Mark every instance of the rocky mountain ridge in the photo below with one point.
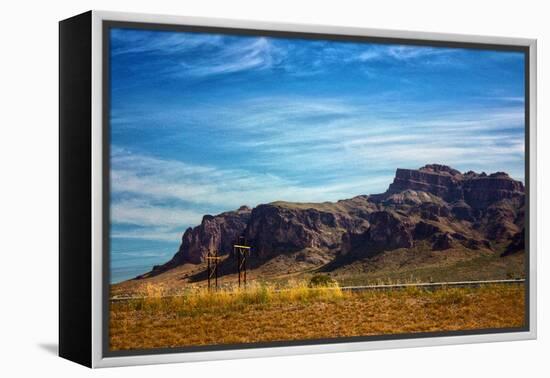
(435, 205)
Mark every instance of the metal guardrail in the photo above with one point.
(425, 285)
(434, 285)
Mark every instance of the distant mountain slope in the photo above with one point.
(436, 207)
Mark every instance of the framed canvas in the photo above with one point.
(234, 189)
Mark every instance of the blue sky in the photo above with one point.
(204, 123)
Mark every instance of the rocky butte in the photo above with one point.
(436, 205)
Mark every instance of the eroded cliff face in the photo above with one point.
(481, 192)
(436, 205)
(215, 233)
(438, 180)
(476, 190)
(284, 227)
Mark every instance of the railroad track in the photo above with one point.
(424, 285)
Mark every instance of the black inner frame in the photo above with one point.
(107, 25)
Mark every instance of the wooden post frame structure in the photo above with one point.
(212, 259)
(241, 250)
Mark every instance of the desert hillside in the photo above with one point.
(433, 223)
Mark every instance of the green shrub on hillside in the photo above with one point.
(321, 280)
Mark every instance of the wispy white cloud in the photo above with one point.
(125, 41)
(257, 54)
(327, 135)
(163, 234)
(402, 53)
(371, 54)
(212, 187)
(143, 213)
(199, 54)
(142, 218)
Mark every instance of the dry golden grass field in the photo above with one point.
(261, 314)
